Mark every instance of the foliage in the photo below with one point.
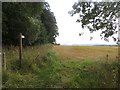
(50, 25)
(26, 17)
(98, 16)
(39, 69)
(42, 67)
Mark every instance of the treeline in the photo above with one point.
(34, 20)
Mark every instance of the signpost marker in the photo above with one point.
(20, 48)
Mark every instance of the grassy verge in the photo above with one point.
(42, 67)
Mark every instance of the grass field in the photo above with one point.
(62, 67)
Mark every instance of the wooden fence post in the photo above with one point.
(20, 49)
(4, 61)
(118, 80)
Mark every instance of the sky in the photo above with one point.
(68, 28)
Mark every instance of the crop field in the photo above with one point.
(87, 52)
(52, 66)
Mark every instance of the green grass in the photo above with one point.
(43, 68)
(90, 74)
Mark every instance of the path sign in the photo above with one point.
(20, 48)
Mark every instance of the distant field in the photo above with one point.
(86, 52)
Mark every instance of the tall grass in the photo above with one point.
(90, 74)
(43, 68)
(39, 68)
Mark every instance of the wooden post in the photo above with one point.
(118, 80)
(20, 49)
(107, 57)
(4, 61)
(119, 49)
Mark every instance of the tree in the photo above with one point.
(98, 16)
(49, 29)
(49, 21)
(26, 18)
(20, 17)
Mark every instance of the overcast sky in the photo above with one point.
(68, 28)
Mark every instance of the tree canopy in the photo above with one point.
(34, 20)
(98, 16)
